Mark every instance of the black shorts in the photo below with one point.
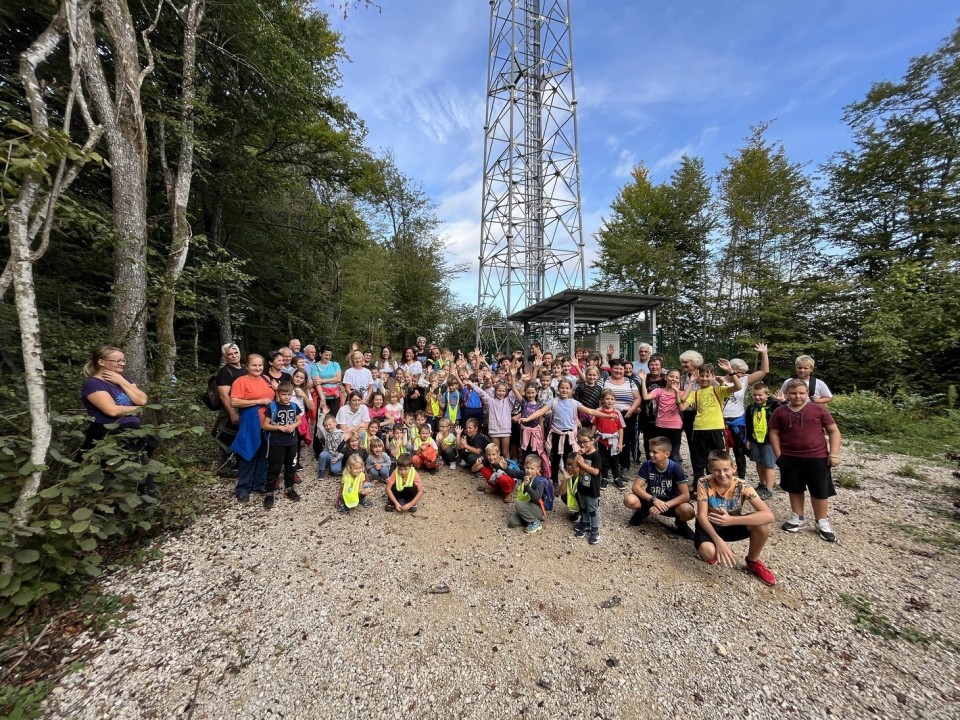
(731, 533)
(647, 505)
(798, 474)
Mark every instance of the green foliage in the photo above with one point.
(847, 480)
(909, 471)
(875, 623)
(19, 702)
(82, 508)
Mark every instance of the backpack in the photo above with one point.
(548, 496)
(210, 397)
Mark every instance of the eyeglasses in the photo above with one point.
(121, 361)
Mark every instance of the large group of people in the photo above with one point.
(531, 429)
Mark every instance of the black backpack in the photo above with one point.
(210, 397)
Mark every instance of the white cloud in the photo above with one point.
(627, 162)
(691, 148)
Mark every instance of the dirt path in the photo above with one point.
(304, 613)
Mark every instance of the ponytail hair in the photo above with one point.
(93, 364)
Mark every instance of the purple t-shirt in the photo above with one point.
(95, 384)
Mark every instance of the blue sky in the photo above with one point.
(653, 81)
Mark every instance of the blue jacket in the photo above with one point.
(249, 436)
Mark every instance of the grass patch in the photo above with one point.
(875, 623)
(846, 479)
(946, 539)
(909, 471)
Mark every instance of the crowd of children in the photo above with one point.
(544, 426)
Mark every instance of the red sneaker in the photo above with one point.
(761, 571)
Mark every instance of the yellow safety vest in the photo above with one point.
(351, 489)
(522, 494)
(402, 484)
(572, 484)
(760, 424)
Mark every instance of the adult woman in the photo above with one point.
(248, 395)
(385, 363)
(628, 400)
(410, 363)
(690, 361)
(228, 419)
(358, 378)
(327, 380)
(275, 372)
(647, 417)
(110, 397)
(734, 409)
(353, 417)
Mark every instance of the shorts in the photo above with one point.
(762, 454)
(731, 533)
(798, 474)
(646, 505)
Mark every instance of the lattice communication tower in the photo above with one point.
(531, 243)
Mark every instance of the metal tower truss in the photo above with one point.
(531, 244)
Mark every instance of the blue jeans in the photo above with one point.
(252, 476)
(382, 474)
(324, 464)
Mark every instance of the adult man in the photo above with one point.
(286, 354)
(368, 360)
(420, 351)
(225, 428)
(294, 346)
(310, 354)
(643, 358)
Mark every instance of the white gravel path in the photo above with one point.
(256, 614)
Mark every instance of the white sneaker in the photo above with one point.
(826, 532)
(453, 466)
(794, 523)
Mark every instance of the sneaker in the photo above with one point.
(594, 537)
(367, 502)
(683, 529)
(761, 571)
(509, 497)
(412, 510)
(574, 518)
(619, 484)
(341, 508)
(604, 483)
(763, 492)
(293, 495)
(794, 523)
(826, 532)
(453, 466)
(535, 526)
(579, 529)
(268, 500)
(296, 479)
(243, 497)
(716, 559)
(389, 507)
(638, 517)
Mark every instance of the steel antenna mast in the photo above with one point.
(531, 243)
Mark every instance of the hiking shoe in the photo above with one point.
(794, 523)
(761, 571)
(535, 526)
(683, 529)
(826, 532)
(268, 501)
(619, 484)
(579, 529)
(367, 502)
(638, 517)
(763, 492)
(293, 495)
(509, 497)
(243, 497)
(594, 537)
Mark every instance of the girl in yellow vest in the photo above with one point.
(355, 489)
(404, 488)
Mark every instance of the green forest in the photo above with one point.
(183, 174)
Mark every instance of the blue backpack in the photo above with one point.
(548, 496)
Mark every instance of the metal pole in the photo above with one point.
(572, 322)
(653, 329)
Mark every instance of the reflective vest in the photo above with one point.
(453, 406)
(400, 484)
(760, 424)
(572, 484)
(351, 489)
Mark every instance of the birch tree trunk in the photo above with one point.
(178, 183)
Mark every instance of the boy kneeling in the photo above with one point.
(720, 498)
(528, 509)
(404, 488)
(661, 489)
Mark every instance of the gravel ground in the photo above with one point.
(301, 612)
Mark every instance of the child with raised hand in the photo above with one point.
(531, 441)
(720, 518)
(498, 474)
(379, 464)
(356, 489)
(610, 426)
(708, 423)
(426, 454)
(404, 487)
(529, 509)
(817, 389)
(471, 444)
(500, 410)
(661, 489)
(758, 414)
(447, 442)
(280, 422)
(399, 442)
(331, 459)
(797, 439)
(668, 422)
(588, 487)
(352, 445)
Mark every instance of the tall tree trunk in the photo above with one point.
(178, 183)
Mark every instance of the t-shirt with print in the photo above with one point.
(662, 484)
(119, 397)
(589, 485)
(732, 499)
(709, 404)
(281, 414)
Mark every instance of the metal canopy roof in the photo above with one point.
(590, 306)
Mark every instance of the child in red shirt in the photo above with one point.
(609, 425)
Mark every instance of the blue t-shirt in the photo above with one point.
(95, 384)
(662, 484)
(564, 414)
(325, 372)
